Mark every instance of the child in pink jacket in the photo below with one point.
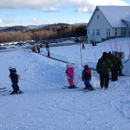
(70, 75)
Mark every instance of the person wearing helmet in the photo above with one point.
(86, 77)
(14, 79)
(70, 75)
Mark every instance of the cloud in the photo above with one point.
(49, 9)
(42, 21)
(31, 21)
(0, 20)
(82, 10)
(53, 5)
(83, 6)
(12, 21)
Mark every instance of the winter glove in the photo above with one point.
(17, 75)
(122, 66)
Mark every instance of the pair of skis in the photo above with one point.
(84, 90)
(66, 87)
(3, 89)
(9, 93)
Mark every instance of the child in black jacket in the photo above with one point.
(14, 79)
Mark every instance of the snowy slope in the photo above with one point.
(46, 106)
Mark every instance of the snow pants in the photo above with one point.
(104, 80)
(48, 53)
(115, 72)
(87, 84)
(15, 87)
(70, 80)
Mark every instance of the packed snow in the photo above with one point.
(45, 105)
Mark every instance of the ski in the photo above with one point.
(2, 88)
(66, 87)
(81, 89)
(9, 93)
(86, 90)
(6, 92)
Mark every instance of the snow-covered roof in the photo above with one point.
(126, 18)
(115, 14)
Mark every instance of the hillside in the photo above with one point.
(45, 105)
(15, 29)
(42, 32)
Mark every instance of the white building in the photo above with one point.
(109, 22)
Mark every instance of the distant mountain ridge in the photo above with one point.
(36, 26)
(33, 27)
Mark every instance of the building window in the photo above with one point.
(98, 32)
(97, 16)
(93, 32)
(115, 32)
(88, 31)
(123, 31)
(108, 32)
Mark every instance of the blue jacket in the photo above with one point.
(14, 76)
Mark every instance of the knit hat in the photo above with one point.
(104, 54)
(86, 66)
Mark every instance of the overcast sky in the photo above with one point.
(37, 12)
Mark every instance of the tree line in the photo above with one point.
(46, 33)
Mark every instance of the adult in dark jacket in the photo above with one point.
(103, 67)
(86, 77)
(117, 63)
(119, 67)
(112, 58)
(14, 79)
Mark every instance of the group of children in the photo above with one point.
(36, 49)
(86, 76)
